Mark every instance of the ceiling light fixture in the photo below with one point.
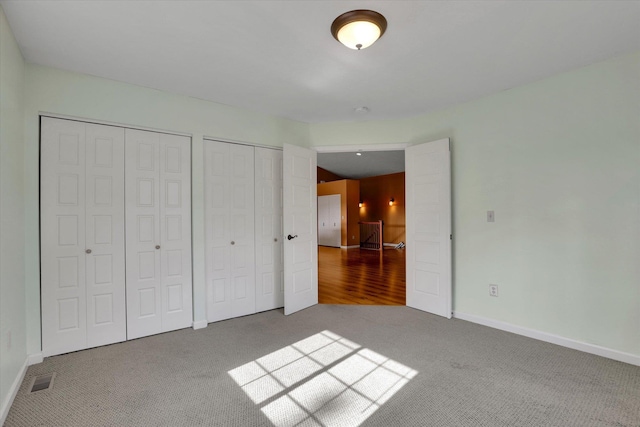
(358, 29)
(358, 154)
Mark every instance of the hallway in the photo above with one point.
(360, 276)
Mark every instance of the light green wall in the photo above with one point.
(55, 91)
(559, 162)
(12, 286)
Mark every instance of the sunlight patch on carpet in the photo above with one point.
(322, 380)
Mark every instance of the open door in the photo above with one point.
(428, 216)
(300, 228)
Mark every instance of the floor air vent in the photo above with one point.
(42, 382)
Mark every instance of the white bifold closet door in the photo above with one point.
(158, 229)
(230, 243)
(329, 221)
(82, 235)
(323, 221)
(268, 219)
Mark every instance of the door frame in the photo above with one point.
(387, 147)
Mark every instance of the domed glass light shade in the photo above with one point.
(358, 29)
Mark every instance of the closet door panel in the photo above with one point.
(323, 220)
(229, 212)
(334, 231)
(142, 199)
(242, 244)
(217, 229)
(268, 232)
(105, 268)
(175, 219)
(63, 257)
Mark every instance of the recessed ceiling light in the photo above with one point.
(358, 29)
(358, 154)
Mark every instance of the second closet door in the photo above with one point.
(158, 229)
(268, 213)
(229, 210)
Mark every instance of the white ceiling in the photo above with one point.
(278, 57)
(368, 163)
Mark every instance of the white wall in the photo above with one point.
(49, 90)
(559, 162)
(12, 297)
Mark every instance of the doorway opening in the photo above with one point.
(362, 264)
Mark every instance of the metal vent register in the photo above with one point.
(42, 382)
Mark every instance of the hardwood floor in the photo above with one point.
(360, 276)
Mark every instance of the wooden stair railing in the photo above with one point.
(371, 235)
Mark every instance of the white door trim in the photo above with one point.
(237, 142)
(363, 147)
(381, 147)
(109, 123)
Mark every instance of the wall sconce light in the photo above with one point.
(360, 204)
(391, 201)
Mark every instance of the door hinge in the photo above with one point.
(450, 236)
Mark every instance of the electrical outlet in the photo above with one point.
(491, 216)
(493, 290)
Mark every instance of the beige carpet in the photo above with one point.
(333, 365)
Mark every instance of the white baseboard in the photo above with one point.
(199, 324)
(620, 356)
(350, 247)
(34, 359)
(6, 404)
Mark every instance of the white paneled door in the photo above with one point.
(104, 201)
(158, 230)
(230, 243)
(175, 232)
(323, 220)
(268, 220)
(82, 235)
(428, 219)
(335, 220)
(300, 228)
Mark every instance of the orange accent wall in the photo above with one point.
(349, 191)
(375, 193)
(326, 176)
